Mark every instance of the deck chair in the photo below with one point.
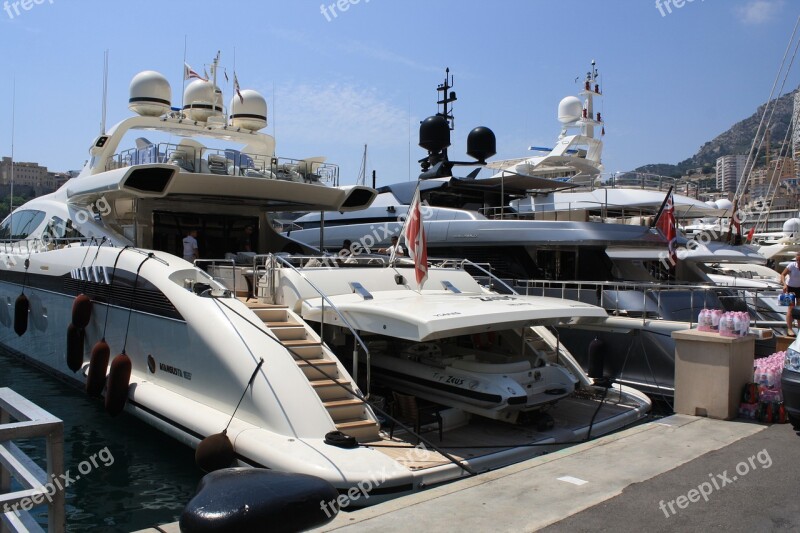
(409, 410)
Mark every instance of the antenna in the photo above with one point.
(447, 98)
(362, 172)
(13, 118)
(105, 93)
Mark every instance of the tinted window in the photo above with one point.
(21, 223)
(58, 229)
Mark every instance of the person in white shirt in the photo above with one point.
(395, 249)
(791, 285)
(190, 250)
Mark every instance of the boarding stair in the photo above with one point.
(320, 366)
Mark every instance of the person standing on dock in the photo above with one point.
(791, 285)
(190, 250)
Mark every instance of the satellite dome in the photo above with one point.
(791, 228)
(249, 111)
(711, 203)
(724, 203)
(570, 109)
(150, 94)
(201, 100)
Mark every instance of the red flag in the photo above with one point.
(666, 223)
(750, 234)
(415, 240)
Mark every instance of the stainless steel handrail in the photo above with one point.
(645, 288)
(285, 262)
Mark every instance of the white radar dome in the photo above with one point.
(711, 203)
(201, 100)
(791, 228)
(150, 94)
(724, 203)
(570, 109)
(249, 111)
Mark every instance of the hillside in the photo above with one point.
(736, 140)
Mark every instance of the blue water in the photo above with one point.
(152, 476)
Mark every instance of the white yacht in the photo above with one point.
(554, 226)
(100, 261)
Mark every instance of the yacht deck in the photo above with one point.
(486, 436)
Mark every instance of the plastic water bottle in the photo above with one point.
(737, 324)
(716, 316)
(745, 321)
(703, 320)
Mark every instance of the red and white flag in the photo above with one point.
(188, 73)
(750, 234)
(236, 87)
(666, 223)
(415, 240)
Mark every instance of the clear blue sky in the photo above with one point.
(369, 75)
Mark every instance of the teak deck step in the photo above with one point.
(288, 324)
(329, 382)
(301, 342)
(362, 430)
(354, 402)
(315, 369)
(355, 424)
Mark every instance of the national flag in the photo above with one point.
(415, 240)
(188, 73)
(236, 87)
(666, 223)
(750, 234)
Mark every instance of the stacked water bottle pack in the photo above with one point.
(727, 324)
(762, 400)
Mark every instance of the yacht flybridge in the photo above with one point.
(268, 367)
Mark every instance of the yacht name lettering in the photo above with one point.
(451, 313)
(448, 379)
(175, 371)
(494, 298)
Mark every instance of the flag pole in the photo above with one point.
(663, 205)
(183, 71)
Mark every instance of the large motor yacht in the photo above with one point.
(102, 263)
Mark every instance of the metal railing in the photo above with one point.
(213, 263)
(599, 288)
(43, 244)
(226, 162)
(272, 263)
(29, 421)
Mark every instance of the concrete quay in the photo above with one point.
(679, 472)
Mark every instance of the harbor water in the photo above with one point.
(142, 477)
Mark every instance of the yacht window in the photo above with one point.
(60, 230)
(22, 223)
